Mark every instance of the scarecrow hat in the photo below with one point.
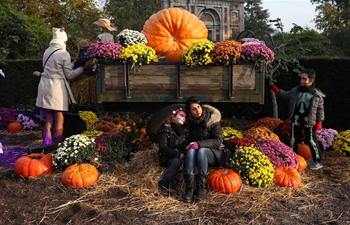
(105, 23)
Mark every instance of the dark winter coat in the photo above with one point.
(316, 109)
(81, 60)
(171, 142)
(208, 134)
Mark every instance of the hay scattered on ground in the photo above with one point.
(135, 187)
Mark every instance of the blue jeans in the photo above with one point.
(202, 158)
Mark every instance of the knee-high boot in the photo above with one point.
(190, 186)
(57, 136)
(201, 191)
(47, 136)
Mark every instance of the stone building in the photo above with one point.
(223, 18)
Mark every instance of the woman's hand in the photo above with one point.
(36, 73)
(193, 145)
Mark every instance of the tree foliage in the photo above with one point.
(255, 17)
(333, 20)
(332, 15)
(131, 14)
(21, 36)
(76, 16)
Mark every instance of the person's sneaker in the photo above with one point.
(316, 165)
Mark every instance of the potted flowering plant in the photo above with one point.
(89, 117)
(138, 54)
(27, 123)
(198, 53)
(326, 137)
(256, 50)
(104, 52)
(342, 143)
(271, 123)
(6, 116)
(253, 166)
(226, 52)
(278, 153)
(129, 37)
(74, 149)
(260, 133)
(230, 133)
(111, 150)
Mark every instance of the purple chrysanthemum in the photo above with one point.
(278, 153)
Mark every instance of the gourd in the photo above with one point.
(304, 151)
(175, 56)
(286, 176)
(34, 165)
(172, 29)
(79, 175)
(302, 164)
(14, 127)
(225, 181)
(104, 126)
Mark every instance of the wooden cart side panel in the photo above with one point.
(174, 82)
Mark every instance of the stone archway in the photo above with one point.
(211, 20)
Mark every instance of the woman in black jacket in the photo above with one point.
(205, 137)
(171, 137)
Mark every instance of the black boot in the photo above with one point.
(190, 186)
(201, 191)
(173, 188)
(163, 186)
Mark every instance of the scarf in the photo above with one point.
(199, 120)
(309, 89)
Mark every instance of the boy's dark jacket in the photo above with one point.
(81, 60)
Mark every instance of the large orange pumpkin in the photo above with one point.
(302, 164)
(172, 29)
(225, 181)
(33, 165)
(79, 175)
(304, 151)
(14, 127)
(286, 176)
(175, 56)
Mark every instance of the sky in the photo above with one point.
(301, 12)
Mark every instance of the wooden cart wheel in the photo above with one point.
(158, 118)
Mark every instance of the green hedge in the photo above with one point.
(19, 86)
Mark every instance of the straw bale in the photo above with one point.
(84, 90)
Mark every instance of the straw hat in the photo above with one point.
(105, 23)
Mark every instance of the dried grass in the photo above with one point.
(84, 90)
(135, 187)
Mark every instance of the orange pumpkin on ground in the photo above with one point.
(302, 164)
(175, 56)
(225, 181)
(34, 165)
(286, 176)
(172, 29)
(104, 126)
(14, 127)
(79, 175)
(304, 151)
